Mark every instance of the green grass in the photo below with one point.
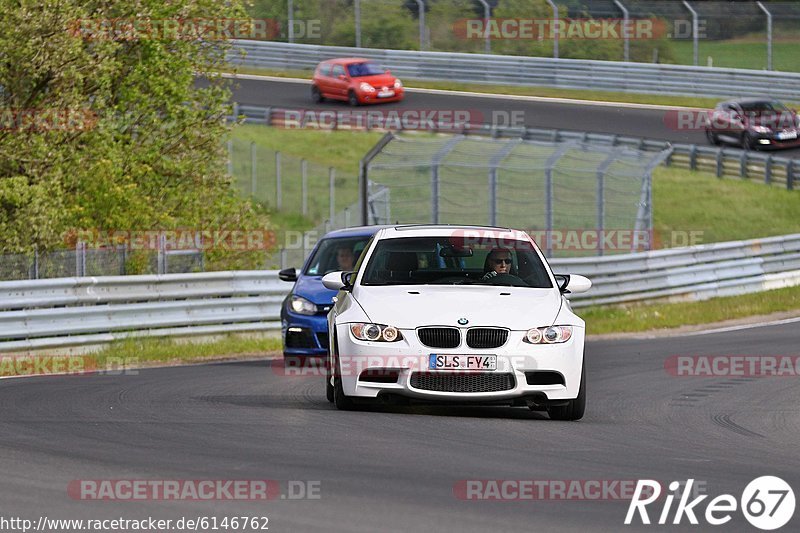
(741, 53)
(637, 318)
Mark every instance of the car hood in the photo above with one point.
(516, 308)
(379, 80)
(312, 289)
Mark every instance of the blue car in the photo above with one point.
(304, 325)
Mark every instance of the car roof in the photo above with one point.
(436, 230)
(356, 231)
(347, 60)
(748, 100)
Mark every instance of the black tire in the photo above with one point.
(340, 399)
(748, 142)
(316, 96)
(712, 137)
(574, 409)
(352, 99)
(328, 384)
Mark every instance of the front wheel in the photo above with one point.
(748, 142)
(352, 99)
(328, 384)
(316, 95)
(340, 399)
(574, 409)
(712, 137)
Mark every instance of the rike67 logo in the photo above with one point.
(767, 503)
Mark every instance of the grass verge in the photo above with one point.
(640, 317)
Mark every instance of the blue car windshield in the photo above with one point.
(358, 70)
(335, 254)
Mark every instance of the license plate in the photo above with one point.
(786, 135)
(462, 362)
(385, 94)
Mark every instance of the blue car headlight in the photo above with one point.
(301, 306)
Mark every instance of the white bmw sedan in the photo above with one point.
(456, 314)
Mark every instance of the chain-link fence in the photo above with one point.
(739, 34)
(558, 190)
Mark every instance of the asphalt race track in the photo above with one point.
(395, 468)
(627, 121)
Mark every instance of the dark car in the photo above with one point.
(356, 81)
(304, 323)
(754, 123)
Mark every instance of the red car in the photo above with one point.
(356, 81)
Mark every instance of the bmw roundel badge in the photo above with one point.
(463, 321)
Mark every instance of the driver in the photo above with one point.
(345, 258)
(497, 262)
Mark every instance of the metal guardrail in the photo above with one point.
(79, 312)
(723, 161)
(645, 78)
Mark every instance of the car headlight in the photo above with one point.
(300, 305)
(398, 84)
(375, 332)
(367, 88)
(548, 335)
(761, 129)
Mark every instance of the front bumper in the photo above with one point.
(372, 369)
(304, 334)
(373, 98)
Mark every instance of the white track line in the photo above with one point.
(546, 99)
(744, 326)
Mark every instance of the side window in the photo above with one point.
(338, 70)
(325, 69)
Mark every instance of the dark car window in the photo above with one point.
(358, 70)
(767, 106)
(330, 254)
(338, 70)
(435, 260)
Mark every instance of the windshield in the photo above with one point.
(336, 254)
(358, 70)
(437, 260)
(764, 107)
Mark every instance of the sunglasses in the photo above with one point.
(500, 261)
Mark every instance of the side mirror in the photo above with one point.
(573, 283)
(288, 274)
(337, 281)
(342, 77)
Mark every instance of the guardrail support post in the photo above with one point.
(790, 175)
(693, 157)
(720, 166)
(768, 170)
(743, 164)
(769, 34)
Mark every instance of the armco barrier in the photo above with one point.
(75, 312)
(615, 76)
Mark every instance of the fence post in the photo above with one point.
(278, 181)
(282, 258)
(230, 157)
(35, 263)
(769, 34)
(358, 22)
(554, 7)
(290, 16)
(625, 33)
(695, 29)
(421, 16)
(346, 217)
(253, 172)
(331, 193)
(790, 175)
(304, 186)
